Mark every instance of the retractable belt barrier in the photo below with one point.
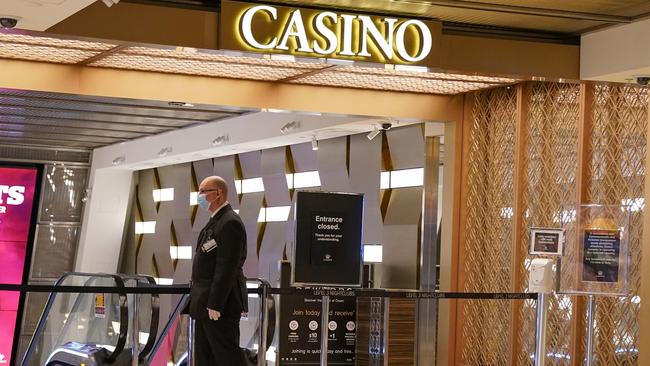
(332, 292)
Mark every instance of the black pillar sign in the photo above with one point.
(601, 255)
(300, 330)
(327, 248)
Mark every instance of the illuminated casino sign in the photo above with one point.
(328, 34)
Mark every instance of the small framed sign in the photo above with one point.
(546, 241)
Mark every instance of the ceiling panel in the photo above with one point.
(61, 120)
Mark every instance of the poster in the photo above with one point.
(100, 306)
(328, 246)
(300, 330)
(17, 194)
(546, 241)
(601, 254)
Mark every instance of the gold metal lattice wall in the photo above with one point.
(535, 142)
(617, 176)
(487, 262)
(550, 165)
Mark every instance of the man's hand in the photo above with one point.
(213, 314)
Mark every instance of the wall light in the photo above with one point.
(407, 178)
(314, 143)
(252, 185)
(180, 252)
(375, 131)
(373, 253)
(119, 160)
(289, 127)
(145, 227)
(221, 140)
(165, 194)
(194, 198)
(306, 179)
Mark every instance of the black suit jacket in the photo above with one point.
(218, 280)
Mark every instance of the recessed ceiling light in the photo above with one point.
(180, 104)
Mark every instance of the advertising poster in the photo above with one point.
(601, 255)
(300, 330)
(17, 189)
(100, 306)
(328, 239)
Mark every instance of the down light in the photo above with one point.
(119, 160)
(165, 151)
(220, 140)
(289, 127)
(314, 143)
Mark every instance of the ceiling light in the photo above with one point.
(314, 143)
(110, 3)
(279, 57)
(375, 131)
(220, 140)
(119, 160)
(165, 151)
(289, 127)
(180, 104)
(411, 68)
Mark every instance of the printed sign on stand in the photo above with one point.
(601, 258)
(546, 241)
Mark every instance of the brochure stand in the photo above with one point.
(596, 256)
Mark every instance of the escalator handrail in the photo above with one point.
(172, 318)
(155, 317)
(40, 327)
(176, 313)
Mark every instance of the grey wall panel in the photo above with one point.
(399, 266)
(290, 229)
(271, 251)
(365, 168)
(225, 168)
(146, 185)
(251, 164)
(63, 190)
(274, 162)
(249, 211)
(401, 238)
(202, 169)
(332, 165)
(406, 146)
(178, 177)
(304, 158)
(54, 250)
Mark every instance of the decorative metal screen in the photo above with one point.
(487, 261)
(617, 172)
(550, 165)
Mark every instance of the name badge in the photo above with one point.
(208, 245)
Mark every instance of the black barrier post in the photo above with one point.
(264, 323)
(325, 319)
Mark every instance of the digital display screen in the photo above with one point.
(18, 186)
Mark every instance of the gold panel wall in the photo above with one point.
(542, 126)
(487, 257)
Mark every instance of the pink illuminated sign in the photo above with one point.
(17, 189)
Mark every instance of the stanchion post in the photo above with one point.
(264, 324)
(190, 341)
(135, 333)
(540, 329)
(324, 331)
(591, 308)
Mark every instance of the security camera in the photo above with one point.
(8, 21)
(643, 79)
(386, 126)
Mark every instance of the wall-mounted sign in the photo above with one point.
(328, 239)
(328, 34)
(546, 241)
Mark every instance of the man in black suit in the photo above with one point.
(218, 296)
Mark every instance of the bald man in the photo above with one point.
(218, 295)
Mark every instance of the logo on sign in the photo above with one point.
(2, 358)
(331, 34)
(11, 196)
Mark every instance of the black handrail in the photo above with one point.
(124, 314)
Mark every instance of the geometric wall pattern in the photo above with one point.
(490, 261)
(345, 164)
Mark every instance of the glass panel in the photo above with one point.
(63, 191)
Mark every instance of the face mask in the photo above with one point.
(203, 202)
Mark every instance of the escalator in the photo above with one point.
(93, 328)
(171, 347)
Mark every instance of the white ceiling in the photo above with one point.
(40, 15)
